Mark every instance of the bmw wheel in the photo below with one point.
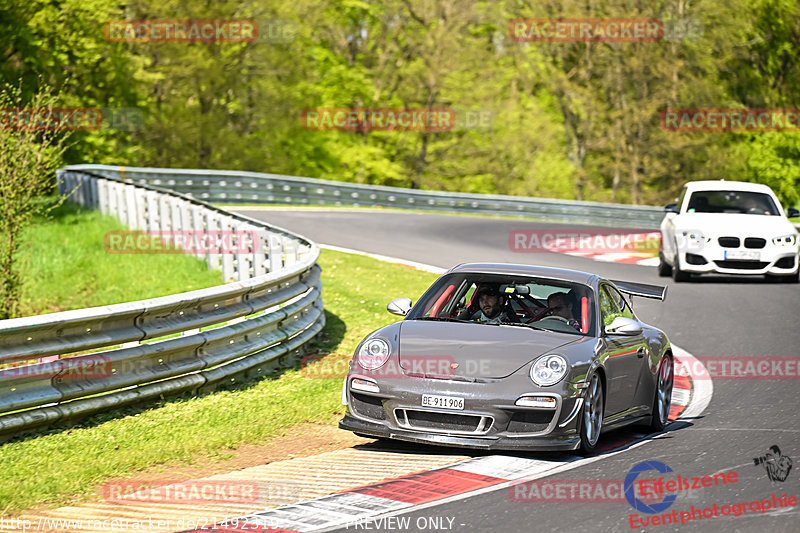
(663, 395)
(592, 419)
(664, 269)
(678, 275)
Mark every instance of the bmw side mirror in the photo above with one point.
(624, 326)
(671, 208)
(399, 306)
(792, 213)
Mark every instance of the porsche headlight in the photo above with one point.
(548, 370)
(373, 354)
(786, 240)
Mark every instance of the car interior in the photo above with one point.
(526, 301)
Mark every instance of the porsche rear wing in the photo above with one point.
(641, 289)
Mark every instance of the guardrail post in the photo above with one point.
(198, 228)
(260, 244)
(186, 226)
(102, 196)
(113, 205)
(225, 246)
(289, 251)
(122, 209)
(153, 221)
(140, 199)
(275, 252)
(212, 229)
(130, 206)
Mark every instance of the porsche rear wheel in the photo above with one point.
(592, 417)
(663, 395)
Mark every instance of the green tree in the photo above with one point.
(28, 159)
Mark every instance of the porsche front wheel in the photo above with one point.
(592, 419)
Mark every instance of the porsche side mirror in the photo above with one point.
(399, 306)
(792, 213)
(671, 208)
(624, 326)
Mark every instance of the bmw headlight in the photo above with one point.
(695, 238)
(373, 354)
(786, 240)
(548, 370)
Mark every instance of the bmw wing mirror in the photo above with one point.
(624, 326)
(671, 208)
(399, 306)
(792, 213)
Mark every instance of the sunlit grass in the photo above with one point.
(60, 466)
(65, 265)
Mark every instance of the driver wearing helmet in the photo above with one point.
(560, 308)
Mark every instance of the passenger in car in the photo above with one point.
(560, 306)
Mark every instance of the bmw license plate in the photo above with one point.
(442, 402)
(743, 254)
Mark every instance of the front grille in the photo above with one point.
(754, 242)
(368, 406)
(785, 262)
(743, 265)
(443, 421)
(729, 242)
(530, 421)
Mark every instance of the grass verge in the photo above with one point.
(59, 467)
(64, 265)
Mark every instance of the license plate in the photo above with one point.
(743, 254)
(442, 402)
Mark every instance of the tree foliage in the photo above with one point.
(574, 120)
(28, 159)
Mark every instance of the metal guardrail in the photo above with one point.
(142, 350)
(236, 187)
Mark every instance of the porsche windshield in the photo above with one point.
(491, 299)
(738, 202)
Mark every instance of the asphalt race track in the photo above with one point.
(711, 317)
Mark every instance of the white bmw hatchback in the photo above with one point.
(730, 228)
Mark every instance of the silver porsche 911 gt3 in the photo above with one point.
(515, 357)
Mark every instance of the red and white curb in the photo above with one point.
(631, 258)
(374, 503)
(625, 256)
